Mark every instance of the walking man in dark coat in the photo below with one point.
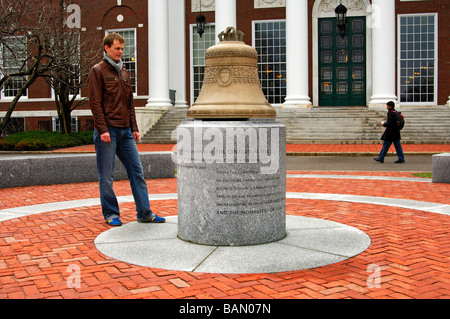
(391, 135)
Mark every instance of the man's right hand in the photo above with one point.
(105, 137)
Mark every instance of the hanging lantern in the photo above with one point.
(341, 12)
(201, 20)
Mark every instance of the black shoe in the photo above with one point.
(399, 161)
(379, 160)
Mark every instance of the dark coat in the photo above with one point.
(392, 132)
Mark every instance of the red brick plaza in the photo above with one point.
(410, 248)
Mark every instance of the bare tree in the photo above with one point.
(21, 66)
(53, 51)
(72, 60)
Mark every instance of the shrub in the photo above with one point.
(6, 146)
(41, 140)
(30, 146)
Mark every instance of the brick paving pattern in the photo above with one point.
(411, 248)
(299, 148)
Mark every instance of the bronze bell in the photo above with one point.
(231, 88)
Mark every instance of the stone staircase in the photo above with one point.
(341, 125)
(161, 132)
(426, 125)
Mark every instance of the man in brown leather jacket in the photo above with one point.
(116, 132)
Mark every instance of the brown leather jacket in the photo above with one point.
(111, 98)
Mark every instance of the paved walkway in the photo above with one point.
(305, 149)
(47, 236)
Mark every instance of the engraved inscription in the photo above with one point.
(248, 194)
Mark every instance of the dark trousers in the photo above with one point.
(398, 149)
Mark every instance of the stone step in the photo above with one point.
(343, 125)
(161, 132)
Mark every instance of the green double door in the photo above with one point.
(342, 63)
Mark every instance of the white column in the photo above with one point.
(177, 52)
(225, 16)
(158, 54)
(297, 54)
(383, 53)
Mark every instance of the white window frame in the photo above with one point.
(2, 95)
(254, 22)
(399, 59)
(192, 28)
(56, 125)
(135, 53)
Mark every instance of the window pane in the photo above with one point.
(14, 55)
(200, 45)
(357, 72)
(326, 42)
(325, 27)
(358, 87)
(357, 40)
(342, 56)
(341, 42)
(357, 56)
(358, 25)
(326, 88)
(326, 57)
(341, 87)
(57, 124)
(327, 73)
(342, 73)
(417, 56)
(271, 48)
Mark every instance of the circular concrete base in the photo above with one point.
(309, 243)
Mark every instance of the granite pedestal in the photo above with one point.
(441, 168)
(231, 181)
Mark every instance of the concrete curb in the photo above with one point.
(49, 169)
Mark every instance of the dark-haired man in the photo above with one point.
(391, 135)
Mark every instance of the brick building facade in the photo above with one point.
(389, 50)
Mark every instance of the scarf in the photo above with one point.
(117, 65)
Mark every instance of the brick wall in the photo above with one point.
(104, 14)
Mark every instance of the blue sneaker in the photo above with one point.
(114, 222)
(151, 218)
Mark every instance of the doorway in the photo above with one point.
(342, 62)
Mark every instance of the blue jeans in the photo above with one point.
(123, 145)
(398, 149)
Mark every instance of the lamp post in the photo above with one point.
(341, 12)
